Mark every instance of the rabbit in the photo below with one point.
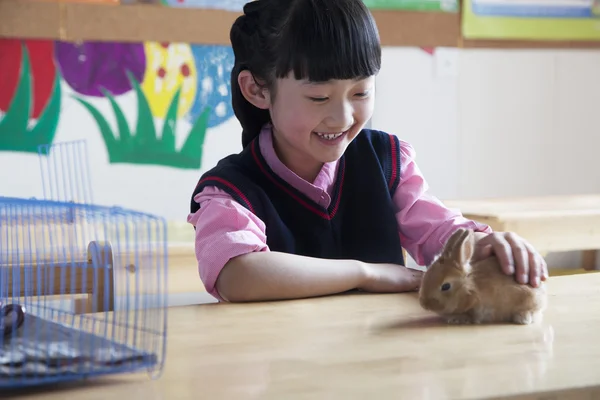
(475, 293)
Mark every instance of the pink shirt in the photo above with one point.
(225, 229)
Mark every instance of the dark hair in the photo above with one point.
(318, 40)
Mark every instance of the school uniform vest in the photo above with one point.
(360, 221)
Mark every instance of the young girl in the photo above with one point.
(315, 204)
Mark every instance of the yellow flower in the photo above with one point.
(169, 66)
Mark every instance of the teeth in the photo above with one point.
(329, 136)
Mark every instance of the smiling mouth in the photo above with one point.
(330, 135)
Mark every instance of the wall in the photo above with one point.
(535, 109)
(509, 123)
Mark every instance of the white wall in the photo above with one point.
(421, 108)
(537, 109)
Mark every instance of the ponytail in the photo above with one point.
(245, 38)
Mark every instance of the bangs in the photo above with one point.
(329, 39)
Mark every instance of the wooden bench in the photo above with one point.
(550, 223)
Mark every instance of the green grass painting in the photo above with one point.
(143, 146)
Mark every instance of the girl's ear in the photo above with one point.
(254, 93)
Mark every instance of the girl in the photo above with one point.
(315, 204)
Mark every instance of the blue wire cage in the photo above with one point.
(65, 171)
(82, 291)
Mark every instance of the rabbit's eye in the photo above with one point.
(445, 287)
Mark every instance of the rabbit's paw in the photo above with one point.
(523, 318)
(460, 319)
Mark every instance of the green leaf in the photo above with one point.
(112, 146)
(45, 129)
(170, 124)
(16, 118)
(122, 125)
(192, 147)
(145, 132)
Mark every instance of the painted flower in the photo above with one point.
(30, 95)
(214, 64)
(90, 67)
(42, 72)
(169, 67)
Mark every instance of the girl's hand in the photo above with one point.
(516, 256)
(389, 278)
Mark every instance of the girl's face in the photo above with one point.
(314, 122)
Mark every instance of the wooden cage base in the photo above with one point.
(93, 277)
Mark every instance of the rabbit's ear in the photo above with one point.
(465, 248)
(460, 247)
(454, 241)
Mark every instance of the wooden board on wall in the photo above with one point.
(417, 28)
(30, 20)
(74, 21)
(152, 23)
(106, 22)
(147, 22)
(527, 44)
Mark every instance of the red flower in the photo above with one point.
(43, 71)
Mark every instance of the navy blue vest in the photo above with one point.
(360, 222)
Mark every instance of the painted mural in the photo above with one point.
(171, 82)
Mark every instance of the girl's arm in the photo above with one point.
(236, 265)
(425, 222)
(276, 276)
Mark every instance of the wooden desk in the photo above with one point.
(368, 346)
(550, 223)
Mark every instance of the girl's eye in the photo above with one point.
(318, 99)
(363, 94)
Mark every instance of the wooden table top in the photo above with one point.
(367, 346)
(530, 207)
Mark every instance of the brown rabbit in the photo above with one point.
(480, 292)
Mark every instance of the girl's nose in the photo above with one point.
(342, 116)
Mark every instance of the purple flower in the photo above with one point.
(91, 66)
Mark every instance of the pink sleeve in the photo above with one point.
(224, 229)
(425, 223)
